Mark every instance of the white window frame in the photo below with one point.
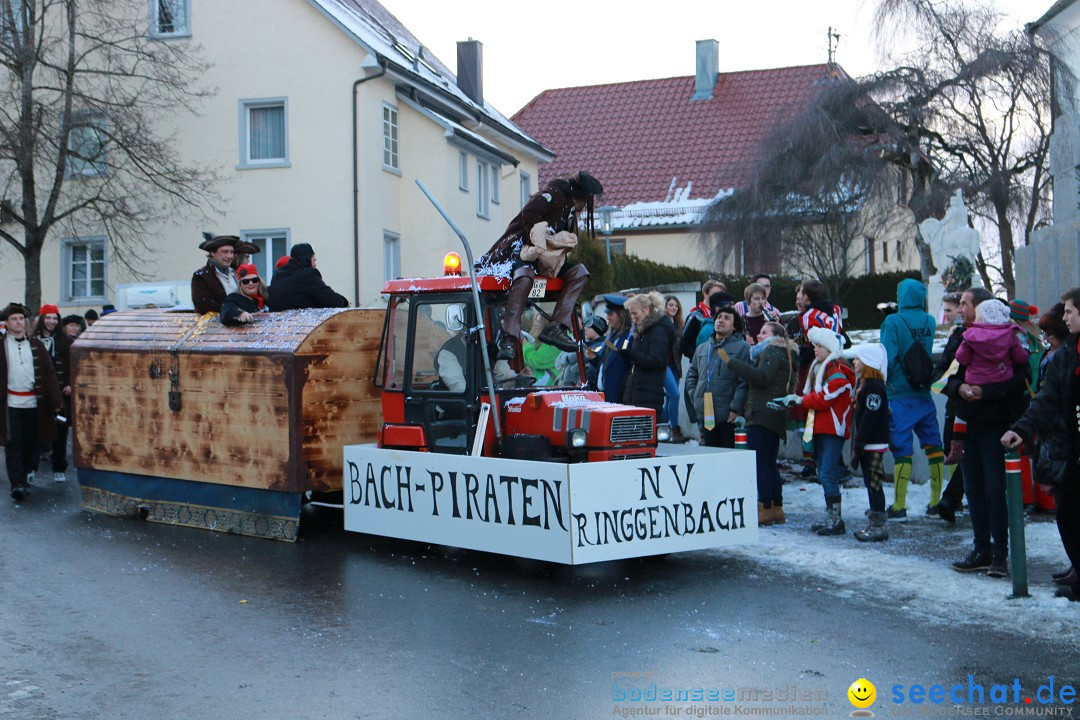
(264, 261)
(496, 176)
(391, 256)
(183, 25)
(463, 171)
(483, 189)
(390, 135)
(246, 106)
(525, 184)
(67, 246)
(96, 121)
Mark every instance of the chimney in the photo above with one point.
(470, 69)
(708, 66)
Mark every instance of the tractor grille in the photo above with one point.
(631, 428)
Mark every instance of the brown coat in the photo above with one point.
(207, 293)
(552, 206)
(45, 388)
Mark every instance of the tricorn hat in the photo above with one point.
(212, 242)
(247, 248)
(13, 308)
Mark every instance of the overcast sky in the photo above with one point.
(530, 47)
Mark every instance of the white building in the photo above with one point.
(326, 112)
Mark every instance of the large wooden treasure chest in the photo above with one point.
(182, 420)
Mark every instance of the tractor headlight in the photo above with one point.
(576, 438)
(663, 432)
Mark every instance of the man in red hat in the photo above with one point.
(211, 283)
(31, 399)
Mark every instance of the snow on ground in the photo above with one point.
(911, 571)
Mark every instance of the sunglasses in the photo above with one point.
(250, 281)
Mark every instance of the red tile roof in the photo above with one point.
(639, 137)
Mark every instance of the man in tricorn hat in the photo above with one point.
(548, 216)
(212, 282)
(30, 400)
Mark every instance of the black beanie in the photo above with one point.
(302, 254)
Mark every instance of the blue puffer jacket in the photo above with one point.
(911, 324)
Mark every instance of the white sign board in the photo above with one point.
(571, 514)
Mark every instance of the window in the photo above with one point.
(83, 268)
(463, 171)
(618, 246)
(264, 133)
(391, 256)
(871, 268)
(899, 252)
(495, 184)
(87, 145)
(483, 189)
(884, 251)
(526, 188)
(13, 25)
(273, 245)
(390, 138)
(170, 18)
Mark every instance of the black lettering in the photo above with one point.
(626, 524)
(370, 489)
(740, 513)
(671, 520)
(653, 534)
(688, 519)
(648, 477)
(509, 481)
(683, 487)
(526, 502)
(582, 522)
(436, 488)
(723, 526)
(354, 483)
(382, 486)
(490, 499)
(472, 487)
(556, 503)
(705, 516)
(641, 530)
(406, 484)
(609, 521)
(455, 512)
(596, 515)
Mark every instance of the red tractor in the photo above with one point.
(441, 392)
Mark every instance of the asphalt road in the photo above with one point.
(114, 618)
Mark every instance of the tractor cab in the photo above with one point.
(431, 373)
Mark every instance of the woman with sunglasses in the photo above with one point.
(240, 307)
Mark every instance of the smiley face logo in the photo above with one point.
(862, 693)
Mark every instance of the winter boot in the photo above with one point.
(999, 563)
(834, 523)
(976, 561)
(516, 298)
(764, 515)
(777, 516)
(956, 452)
(876, 530)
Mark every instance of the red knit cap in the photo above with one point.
(245, 270)
(49, 310)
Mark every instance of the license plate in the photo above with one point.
(539, 288)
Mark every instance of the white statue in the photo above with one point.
(949, 238)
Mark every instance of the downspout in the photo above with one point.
(356, 184)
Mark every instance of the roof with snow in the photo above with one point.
(661, 156)
(376, 29)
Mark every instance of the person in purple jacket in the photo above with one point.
(989, 350)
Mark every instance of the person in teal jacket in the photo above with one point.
(911, 409)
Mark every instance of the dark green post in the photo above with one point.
(1017, 546)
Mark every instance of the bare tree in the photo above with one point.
(813, 196)
(86, 94)
(969, 110)
(979, 103)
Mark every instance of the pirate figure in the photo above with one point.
(537, 241)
